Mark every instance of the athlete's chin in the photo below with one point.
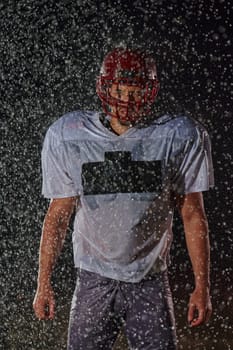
(124, 122)
(129, 119)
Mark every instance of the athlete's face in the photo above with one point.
(129, 98)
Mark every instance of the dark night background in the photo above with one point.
(50, 53)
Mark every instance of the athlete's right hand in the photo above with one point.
(44, 303)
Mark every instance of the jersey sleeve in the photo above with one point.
(194, 167)
(56, 176)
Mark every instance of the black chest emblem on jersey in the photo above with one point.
(119, 174)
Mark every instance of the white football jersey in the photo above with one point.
(126, 185)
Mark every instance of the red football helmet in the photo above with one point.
(129, 68)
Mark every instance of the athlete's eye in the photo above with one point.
(138, 93)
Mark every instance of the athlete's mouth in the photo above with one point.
(127, 112)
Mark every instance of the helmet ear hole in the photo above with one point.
(131, 68)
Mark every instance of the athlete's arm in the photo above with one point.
(192, 211)
(53, 234)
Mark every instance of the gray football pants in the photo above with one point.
(101, 306)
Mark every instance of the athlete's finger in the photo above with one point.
(208, 315)
(199, 319)
(51, 309)
(191, 313)
(39, 307)
(40, 311)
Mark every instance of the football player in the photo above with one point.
(124, 171)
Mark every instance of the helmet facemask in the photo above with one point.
(141, 95)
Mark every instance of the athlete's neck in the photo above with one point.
(118, 127)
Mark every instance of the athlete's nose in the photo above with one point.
(127, 96)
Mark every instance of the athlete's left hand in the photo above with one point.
(200, 308)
